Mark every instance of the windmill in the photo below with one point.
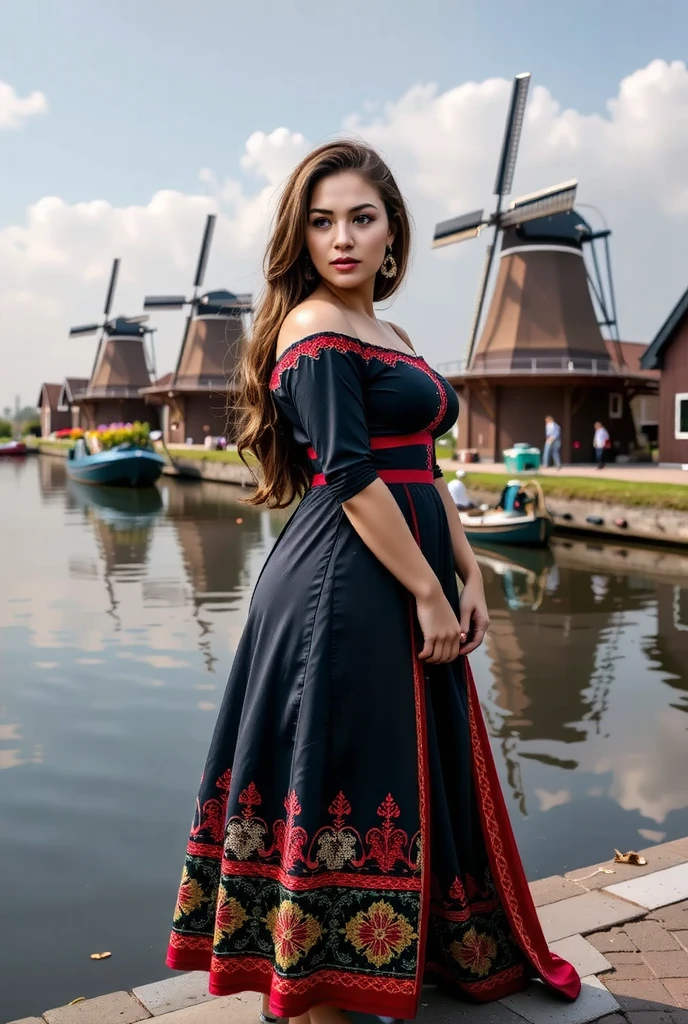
(531, 226)
(539, 350)
(122, 365)
(196, 394)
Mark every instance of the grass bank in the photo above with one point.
(206, 455)
(49, 446)
(612, 492)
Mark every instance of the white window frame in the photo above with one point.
(615, 405)
(678, 433)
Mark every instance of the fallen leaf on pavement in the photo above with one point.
(629, 858)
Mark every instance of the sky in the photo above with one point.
(122, 125)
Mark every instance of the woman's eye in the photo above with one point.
(363, 218)
(320, 222)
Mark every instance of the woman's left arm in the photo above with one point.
(474, 617)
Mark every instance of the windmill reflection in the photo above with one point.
(221, 554)
(122, 520)
(556, 621)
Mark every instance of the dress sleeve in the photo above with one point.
(326, 391)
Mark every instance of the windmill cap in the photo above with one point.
(223, 301)
(121, 327)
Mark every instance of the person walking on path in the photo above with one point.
(351, 841)
(552, 442)
(601, 444)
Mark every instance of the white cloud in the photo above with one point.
(14, 110)
(630, 160)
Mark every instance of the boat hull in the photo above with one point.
(526, 531)
(12, 448)
(135, 467)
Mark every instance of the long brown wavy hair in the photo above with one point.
(286, 473)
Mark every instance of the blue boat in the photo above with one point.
(513, 522)
(126, 465)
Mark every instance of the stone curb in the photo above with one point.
(617, 906)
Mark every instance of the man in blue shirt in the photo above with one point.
(552, 442)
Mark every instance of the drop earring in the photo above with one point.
(389, 264)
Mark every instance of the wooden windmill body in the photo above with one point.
(120, 371)
(197, 400)
(541, 351)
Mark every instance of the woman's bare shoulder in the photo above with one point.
(401, 333)
(314, 316)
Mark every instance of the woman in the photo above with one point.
(350, 838)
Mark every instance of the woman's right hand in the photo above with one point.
(440, 627)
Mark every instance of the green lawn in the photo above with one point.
(623, 492)
(55, 445)
(205, 455)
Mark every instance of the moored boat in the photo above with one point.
(125, 465)
(515, 521)
(13, 448)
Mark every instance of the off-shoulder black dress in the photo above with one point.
(350, 839)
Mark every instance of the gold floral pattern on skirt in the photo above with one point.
(379, 933)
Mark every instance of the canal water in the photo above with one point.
(119, 613)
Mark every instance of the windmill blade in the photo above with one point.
(78, 332)
(458, 229)
(142, 319)
(480, 301)
(111, 288)
(557, 199)
(164, 302)
(512, 135)
(205, 250)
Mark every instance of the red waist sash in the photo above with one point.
(399, 475)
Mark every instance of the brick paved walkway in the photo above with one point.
(624, 928)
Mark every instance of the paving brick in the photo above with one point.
(650, 936)
(630, 972)
(613, 1018)
(117, 1008)
(223, 1010)
(640, 995)
(678, 987)
(441, 1008)
(682, 938)
(618, 959)
(672, 964)
(551, 890)
(585, 957)
(539, 1006)
(656, 890)
(582, 914)
(674, 918)
(614, 940)
(175, 993)
(672, 1015)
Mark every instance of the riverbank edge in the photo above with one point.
(653, 525)
(624, 928)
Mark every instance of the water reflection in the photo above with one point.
(582, 648)
(117, 635)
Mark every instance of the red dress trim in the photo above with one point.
(423, 784)
(390, 476)
(505, 861)
(314, 344)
